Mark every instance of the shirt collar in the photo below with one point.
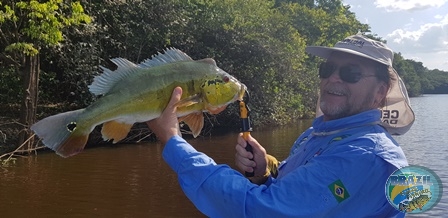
(366, 117)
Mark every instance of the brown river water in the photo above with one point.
(132, 180)
(116, 181)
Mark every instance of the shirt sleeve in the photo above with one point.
(219, 191)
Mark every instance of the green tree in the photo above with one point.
(422, 73)
(260, 48)
(438, 81)
(27, 27)
(407, 72)
(322, 22)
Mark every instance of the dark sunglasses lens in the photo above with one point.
(325, 70)
(350, 74)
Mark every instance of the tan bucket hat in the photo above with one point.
(397, 115)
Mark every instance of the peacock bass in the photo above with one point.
(138, 93)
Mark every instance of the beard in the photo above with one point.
(334, 111)
(337, 111)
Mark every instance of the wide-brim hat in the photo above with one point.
(397, 115)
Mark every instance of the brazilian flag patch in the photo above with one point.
(338, 190)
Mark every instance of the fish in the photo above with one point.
(135, 93)
(418, 202)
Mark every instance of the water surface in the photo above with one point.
(133, 180)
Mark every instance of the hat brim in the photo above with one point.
(325, 52)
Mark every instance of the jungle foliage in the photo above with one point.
(260, 42)
(26, 28)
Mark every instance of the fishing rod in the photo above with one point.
(245, 126)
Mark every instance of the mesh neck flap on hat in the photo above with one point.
(397, 116)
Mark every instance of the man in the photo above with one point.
(337, 168)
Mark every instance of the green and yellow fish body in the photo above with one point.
(416, 203)
(138, 93)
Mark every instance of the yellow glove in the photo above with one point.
(272, 165)
(271, 170)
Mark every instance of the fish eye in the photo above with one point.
(226, 79)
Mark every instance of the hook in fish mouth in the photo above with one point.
(243, 92)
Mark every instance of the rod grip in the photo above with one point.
(249, 149)
(246, 129)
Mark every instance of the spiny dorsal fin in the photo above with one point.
(170, 55)
(104, 82)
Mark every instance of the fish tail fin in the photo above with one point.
(60, 133)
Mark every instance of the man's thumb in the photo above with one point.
(252, 141)
(175, 97)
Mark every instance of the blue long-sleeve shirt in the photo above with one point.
(337, 168)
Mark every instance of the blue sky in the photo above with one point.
(418, 29)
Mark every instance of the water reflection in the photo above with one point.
(118, 181)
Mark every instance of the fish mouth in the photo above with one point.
(240, 95)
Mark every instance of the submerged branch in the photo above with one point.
(13, 153)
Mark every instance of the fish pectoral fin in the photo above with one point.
(194, 99)
(115, 130)
(195, 122)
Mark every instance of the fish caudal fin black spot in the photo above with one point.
(195, 122)
(115, 130)
(55, 131)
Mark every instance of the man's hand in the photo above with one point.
(243, 157)
(167, 125)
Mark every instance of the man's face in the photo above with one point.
(339, 98)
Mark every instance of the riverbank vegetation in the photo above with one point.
(51, 50)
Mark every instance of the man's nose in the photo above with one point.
(334, 77)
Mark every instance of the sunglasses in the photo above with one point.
(348, 73)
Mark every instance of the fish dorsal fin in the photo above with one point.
(170, 55)
(103, 83)
(208, 61)
(195, 122)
